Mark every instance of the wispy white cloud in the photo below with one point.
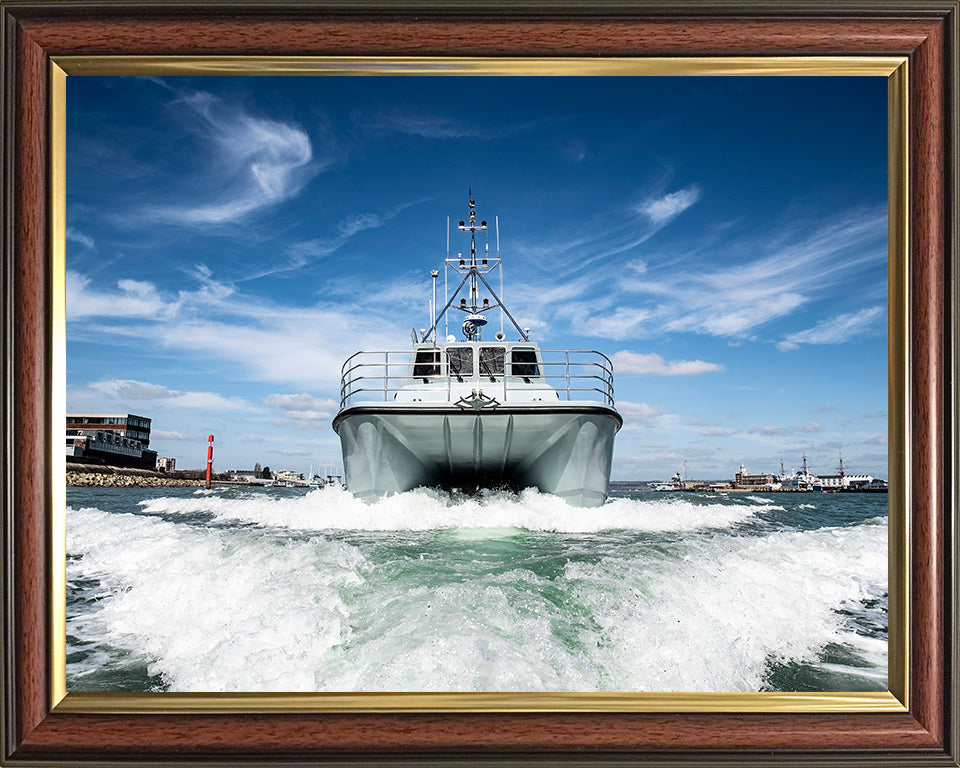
(837, 330)
(652, 364)
(360, 221)
(725, 313)
(262, 340)
(573, 149)
(605, 237)
(638, 414)
(288, 262)
(416, 122)
(346, 229)
(128, 389)
(776, 430)
(161, 82)
(768, 429)
(130, 298)
(660, 210)
(717, 432)
(76, 236)
(112, 390)
(621, 323)
(259, 162)
(426, 126)
(187, 437)
(825, 251)
(305, 347)
(297, 452)
(729, 297)
(302, 407)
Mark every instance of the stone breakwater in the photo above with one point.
(108, 477)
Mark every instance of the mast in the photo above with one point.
(472, 270)
(446, 324)
(472, 228)
(433, 306)
(496, 220)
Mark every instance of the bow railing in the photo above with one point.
(573, 374)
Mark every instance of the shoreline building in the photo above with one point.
(743, 480)
(113, 439)
(839, 482)
(844, 481)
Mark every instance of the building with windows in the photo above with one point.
(837, 482)
(113, 439)
(744, 481)
(166, 464)
(125, 424)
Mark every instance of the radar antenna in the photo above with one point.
(473, 270)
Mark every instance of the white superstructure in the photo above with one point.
(471, 413)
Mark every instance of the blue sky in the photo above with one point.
(230, 241)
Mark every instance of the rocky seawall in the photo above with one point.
(116, 477)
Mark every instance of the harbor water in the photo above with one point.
(275, 589)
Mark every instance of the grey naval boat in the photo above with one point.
(466, 414)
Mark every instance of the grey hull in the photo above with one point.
(561, 450)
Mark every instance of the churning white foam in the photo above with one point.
(715, 619)
(424, 509)
(284, 607)
(215, 612)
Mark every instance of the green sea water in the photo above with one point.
(238, 589)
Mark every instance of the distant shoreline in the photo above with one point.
(97, 476)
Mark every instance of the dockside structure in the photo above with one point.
(114, 439)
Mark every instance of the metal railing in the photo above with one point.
(575, 374)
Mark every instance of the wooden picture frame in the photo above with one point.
(37, 730)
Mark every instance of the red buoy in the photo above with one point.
(209, 458)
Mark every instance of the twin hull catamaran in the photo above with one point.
(470, 413)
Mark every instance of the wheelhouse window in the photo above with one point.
(491, 361)
(426, 363)
(460, 361)
(524, 363)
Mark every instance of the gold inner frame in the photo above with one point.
(895, 699)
